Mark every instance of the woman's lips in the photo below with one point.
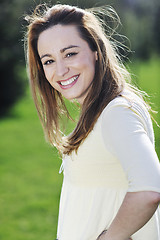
(65, 84)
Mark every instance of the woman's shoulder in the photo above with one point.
(128, 99)
(124, 108)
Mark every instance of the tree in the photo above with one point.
(11, 55)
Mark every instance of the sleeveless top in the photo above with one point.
(117, 157)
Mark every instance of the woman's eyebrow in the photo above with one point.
(45, 55)
(62, 50)
(66, 48)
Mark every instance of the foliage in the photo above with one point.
(12, 84)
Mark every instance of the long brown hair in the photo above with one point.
(109, 80)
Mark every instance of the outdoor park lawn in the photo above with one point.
(29, 179)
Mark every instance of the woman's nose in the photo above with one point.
(61, 68)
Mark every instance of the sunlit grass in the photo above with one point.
(29, 180)
(30, 183)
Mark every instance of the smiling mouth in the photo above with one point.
(68, 82)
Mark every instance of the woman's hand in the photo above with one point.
(136, 210)
(102, 236)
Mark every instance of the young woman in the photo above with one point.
(111, 186)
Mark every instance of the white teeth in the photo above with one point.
(65, 83)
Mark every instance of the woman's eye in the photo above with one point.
(71, 54)
(48, 62)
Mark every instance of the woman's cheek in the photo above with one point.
(48, 74)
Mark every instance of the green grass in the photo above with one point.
(29, 183)
(29, 180)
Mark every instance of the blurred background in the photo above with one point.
(29, 179)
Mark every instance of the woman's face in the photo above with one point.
(68, 61)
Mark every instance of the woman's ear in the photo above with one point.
(96, 55)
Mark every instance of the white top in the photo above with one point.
(118, 156)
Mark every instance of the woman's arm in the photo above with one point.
(135, 211)
(128, 140)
